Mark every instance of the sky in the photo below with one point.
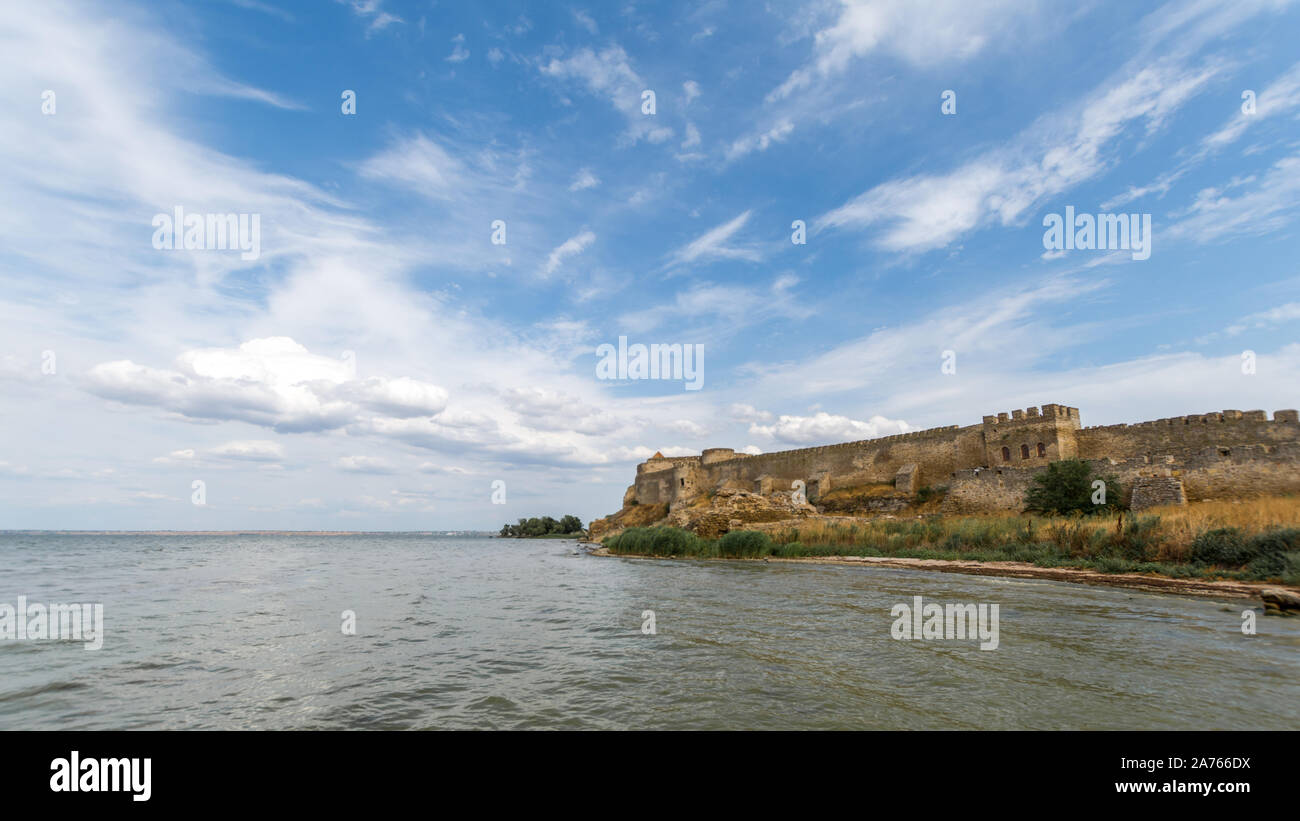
(838, 207)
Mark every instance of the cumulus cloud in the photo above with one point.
(826, 428)
(548, 410)
(459, 53)
(687, 427)
(273, 382)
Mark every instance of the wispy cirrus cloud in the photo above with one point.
(572, 246)
(1001, 185)
(714, 244)
(923, 33)
(608, 73)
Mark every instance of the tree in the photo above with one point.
(545, 526)
(1067, 487)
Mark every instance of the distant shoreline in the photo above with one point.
(1017, 570)
(484, 533)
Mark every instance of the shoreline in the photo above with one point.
(1018, 570)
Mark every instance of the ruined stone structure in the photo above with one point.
(988, 467)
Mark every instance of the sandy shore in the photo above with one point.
(1024, 570)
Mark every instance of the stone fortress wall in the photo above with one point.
(987, 467)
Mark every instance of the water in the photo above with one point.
(244, 632)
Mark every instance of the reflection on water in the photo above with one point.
(244, 632)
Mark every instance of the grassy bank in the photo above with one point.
(1253, 540)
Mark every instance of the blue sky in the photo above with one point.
(382, 362)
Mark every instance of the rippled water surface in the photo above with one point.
(244, 632)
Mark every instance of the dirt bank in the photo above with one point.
(1024, 570)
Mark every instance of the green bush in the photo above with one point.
(790, 549)
(656, 541)
(1135, 539)
(1291, 568)
(745, 543)
(1224, 546)
(1113, 565)
(1066, 487)
(1269, 552)
(927, 493)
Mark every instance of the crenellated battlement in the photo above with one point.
(1033, 415)
(1282, 417)
(1003, 449)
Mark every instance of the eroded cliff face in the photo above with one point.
(710, 515)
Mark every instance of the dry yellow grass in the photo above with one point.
(1180, 525)
(1177, 527)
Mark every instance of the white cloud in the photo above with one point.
(1271, 205)
(760, 142)
(184, 456)
(570, 247)
(742, 412)
(371, 9)
(250, 450)
(1001, 186)
(686, 427)
(419, 163)
(923, 33)
(826, 428)
(584, 180)
(732, 307)
(692, 136)
(583, 19)
(609, 74)
(273, 382)
(1273, 317)
(364, 464)
(713, 244)
(459, 53)
(433, 467)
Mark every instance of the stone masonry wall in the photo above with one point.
(1226, 454)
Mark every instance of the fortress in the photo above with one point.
(988, 467)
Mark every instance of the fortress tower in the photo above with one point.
(1028, 438)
